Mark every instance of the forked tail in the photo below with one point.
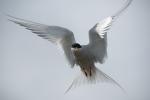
(96, 77)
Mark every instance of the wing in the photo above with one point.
(98, 40)
(98, 36)
(55, 34)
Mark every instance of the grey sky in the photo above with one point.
(28, 64)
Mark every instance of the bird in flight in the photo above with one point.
(84, 56)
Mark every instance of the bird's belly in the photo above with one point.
(82, 60)
(85, 62)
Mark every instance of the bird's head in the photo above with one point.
(76, 46)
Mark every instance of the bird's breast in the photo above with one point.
(85, 62)
(82, 59)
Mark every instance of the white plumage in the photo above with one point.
(84, 56)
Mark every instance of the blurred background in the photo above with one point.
(32, 68)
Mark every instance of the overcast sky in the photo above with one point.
(32, 68)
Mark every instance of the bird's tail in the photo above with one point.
(97, 76)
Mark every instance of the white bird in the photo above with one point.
(85, 56)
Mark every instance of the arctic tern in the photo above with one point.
(84, 56)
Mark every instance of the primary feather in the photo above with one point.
(98, 35)
(54, 34)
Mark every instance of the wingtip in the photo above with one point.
(12, 18)
(126, 5)
(9, 17)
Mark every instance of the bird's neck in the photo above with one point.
(76, 53)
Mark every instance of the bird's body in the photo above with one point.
(85, 61)
(85, 56)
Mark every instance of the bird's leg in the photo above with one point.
(90, 72)
(84, 71)
(87, 71)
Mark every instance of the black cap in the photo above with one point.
(76, 45)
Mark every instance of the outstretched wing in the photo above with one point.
(98, 36)
(98, 40)
(54, 34)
